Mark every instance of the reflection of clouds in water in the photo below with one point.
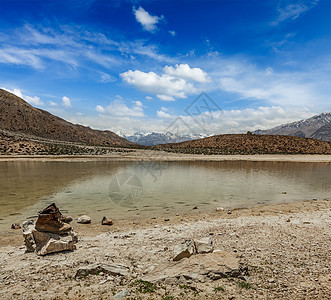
(181, 186)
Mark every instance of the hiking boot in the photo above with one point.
(52, 209)
(51, 223)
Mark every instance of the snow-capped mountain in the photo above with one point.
(156, 138)
(317, 127)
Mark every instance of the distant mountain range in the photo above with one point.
(19, 117)
(156, 138)
(317, 127)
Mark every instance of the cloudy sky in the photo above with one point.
(214, 66)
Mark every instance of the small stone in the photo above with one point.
(106, 221)
(166, 220)
(220, 209)
(204, 245)
(229, 212)
(122, 294)
(15, 226)
(288, 220)
(114, 269)
(186, 249)
(195, 207)
(84, 219)
(284, 193)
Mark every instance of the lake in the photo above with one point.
(128, 190)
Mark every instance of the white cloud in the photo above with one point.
(160, 85)
(99, 109)
(120, 109)
(32, 100)
(105, 78)
(165, 98)
(186, 72)
(147, 21)
(52, 103)
(66, 102)
(228, 121)
(172, 32)
(148, 98)
(163, 115)
(294, 9)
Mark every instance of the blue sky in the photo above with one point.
(137, 65)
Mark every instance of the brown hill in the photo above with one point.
(16, 115)
(250, 144)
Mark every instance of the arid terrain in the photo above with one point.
(250, 144)
(285, 248)
(17, 116)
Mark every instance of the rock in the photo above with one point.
(106, 221)
(216, 265)
(284, 193)
(15, 226)
(45, 242)
(84, 219)
(28, 227)
(204, 245)
(220, 209)
(229, 212)
(114, 269)
(186, 249)
(166, 220)
(195, 207)
(122, 294)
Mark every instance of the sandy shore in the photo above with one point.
(138, 155)
(285, 246)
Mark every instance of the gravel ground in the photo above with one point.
(286, 247)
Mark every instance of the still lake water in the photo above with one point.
(143, 189)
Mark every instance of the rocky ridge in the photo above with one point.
(17, 116)
(250, 144)
(317, 127)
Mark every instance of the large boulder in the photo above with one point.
(216, 265)
(45, 242)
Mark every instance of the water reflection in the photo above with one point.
(131, 189)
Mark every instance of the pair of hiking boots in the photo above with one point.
(51, 220)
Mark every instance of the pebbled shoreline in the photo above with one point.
(286, 247)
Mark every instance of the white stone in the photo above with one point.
(186, 249)
(220, 209)
(84, 219)
(205, 245)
